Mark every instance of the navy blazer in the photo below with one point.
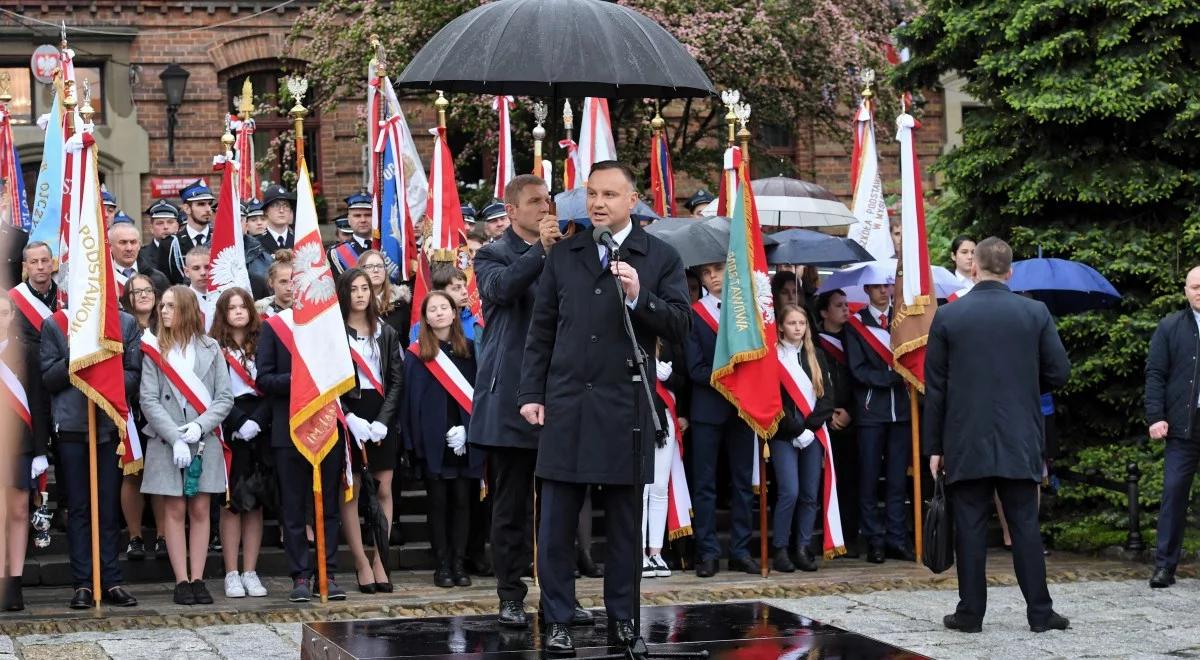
(424, 411)
(879, 392)
(708, 406)
(274, 380)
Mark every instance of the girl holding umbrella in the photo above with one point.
(371, 410)
(185, 396)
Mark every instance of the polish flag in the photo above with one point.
(504, 159)
(595, 138)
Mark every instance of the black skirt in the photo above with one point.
(382, 456)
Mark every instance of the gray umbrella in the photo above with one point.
(784, 202)
(556, 48)
(698, 241)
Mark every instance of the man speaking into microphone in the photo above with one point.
(577, 385)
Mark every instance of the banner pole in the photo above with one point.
(94, 488)
(917, 471)
(762, 508)
(319, 527)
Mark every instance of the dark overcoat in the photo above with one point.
(880, 395)
(1172, 369)
(576, 354)
(708, 406)
(274, 380)
(424, 412)
(506, 272)
(990, 356)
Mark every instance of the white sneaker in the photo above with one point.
(253, 585)
(660, 566)
(233, 585)
(647, 567)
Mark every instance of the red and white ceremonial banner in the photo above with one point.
(916, 298)
(246, 175)
(799, 388)
(570, 164)
(504, 158)
(228, 252)
(728, 188)
(871, 229)
(93, 324)
(322, 370)
(595, 138)
(679, 498)
(445, 210)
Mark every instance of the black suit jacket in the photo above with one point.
(271, 247)
(172, 251)
(576, 353)
(274, 379)
(506, 272)
(880, 394)
(990, 356)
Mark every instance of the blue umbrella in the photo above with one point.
(1067, 287)
(804, 246)
(572, 207)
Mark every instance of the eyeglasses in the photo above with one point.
(373, 267)
(141, 292)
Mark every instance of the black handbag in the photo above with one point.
(938, 553)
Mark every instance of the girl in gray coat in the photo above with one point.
(185, 394)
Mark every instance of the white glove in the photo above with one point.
(378, 432)
(804, 439)
(456, 439)
(359, 428)
(181, 455)
(664, 369)
(190, 433)
(248, 430)
(40, 465)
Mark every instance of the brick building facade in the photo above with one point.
(126, 44)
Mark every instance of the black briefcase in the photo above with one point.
(938, 553)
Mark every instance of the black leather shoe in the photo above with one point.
(1163, 578)
(806, 561)
(588, 567)
(558, 640)
(12, 600)
(459, 574)
(582, 617)
(82, 600)
(384, 588)
(368, 588)
(442, 577)
(875, 554)
(1055, 621)
(782, 562)
(118, 597)
(706, 568)
(952, 622)
(903, 554)
(745, 565)
(622, 632)
(512, 614)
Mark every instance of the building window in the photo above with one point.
(32, 99)
(776, 136)
(270, 90)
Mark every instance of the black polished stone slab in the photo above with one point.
(734, 630)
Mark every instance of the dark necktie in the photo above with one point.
(282, 241)
(127, 272)
(200, 238)
(604, 258)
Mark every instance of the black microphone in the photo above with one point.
(603, 236)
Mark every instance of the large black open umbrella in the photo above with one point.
(556, 48)
(804, 246)
(698, 241)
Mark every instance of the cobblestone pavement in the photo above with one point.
(1113, 613)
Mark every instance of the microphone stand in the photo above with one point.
(637, 649)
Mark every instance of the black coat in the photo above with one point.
(267, 241)
(576, 353)
(839, 373)
(1172, 368)
(69, 405)
(172, 252)
(246, 408)
(880, 395)
(505, 271)
(391, 367)
(274, 380)
(794, 422)
(990, 356)
(708, 406)
(425, 410)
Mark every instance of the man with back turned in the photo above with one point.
(576, 385)
(990, 356)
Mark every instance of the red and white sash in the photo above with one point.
(833, 346)
(799, 388)
(363, 367)
(193, 390)
(959, 294)
(14, 393)
(706, 308)
(35, 310)
(679, 498)
(239, 370)
(450, 377)
(878, 339)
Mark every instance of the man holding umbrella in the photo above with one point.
(577, 386)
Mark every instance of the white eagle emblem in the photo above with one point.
(228, 270)
(311, 280)
(766, 302)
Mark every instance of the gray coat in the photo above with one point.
(165, 413)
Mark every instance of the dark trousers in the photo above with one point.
(972, 507)
(295, 491)
(884, 449)
(449, 517)
(845, 463)
(797, 491)
(560, 505)
(510, 480)
(706, 446)
(1179, 468)
(74, 477)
